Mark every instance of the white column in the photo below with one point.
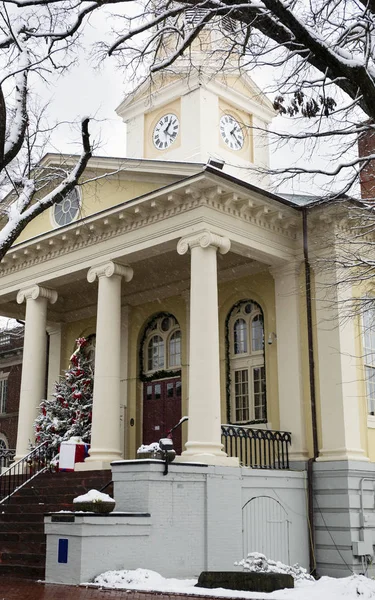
(289, 357)
(106, 427)
(337, 370)
(54, 357)
(33, 377)
(204, 427)
(124, 377)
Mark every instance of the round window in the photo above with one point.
(66, 211)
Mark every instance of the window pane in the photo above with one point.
(175, 349)
(178, 388)
(259, 393)
(241, 395)
(3, 394)
(170, 390)
(157, 391)
(155, 357)
(257, 335)
(369, 357)
(149, 392)
(240, 337)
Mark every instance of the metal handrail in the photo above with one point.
(21, 472)
(257, 448)
(6, 457)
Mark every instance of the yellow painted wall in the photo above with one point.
(95, 197)
(70, 332)
(306, 368)
(367, 433)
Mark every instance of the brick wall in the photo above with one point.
(11, 344)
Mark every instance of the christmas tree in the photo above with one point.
(68, 413)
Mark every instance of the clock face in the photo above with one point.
(231, 132)
(165, 131)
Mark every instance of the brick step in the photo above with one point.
(19, 527)
(37, 509)
(24, 537)
(68, 486)
(26, 517)
(55, 479)
(54, 501)
(22, 571)
(18, 558)
(30, 550)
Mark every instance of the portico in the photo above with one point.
(186, 239)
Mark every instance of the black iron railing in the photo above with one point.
(257, 448)
(19, 473)
(6, 458)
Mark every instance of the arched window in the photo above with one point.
(162, 345)
(246, 359)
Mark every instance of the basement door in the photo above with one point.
(265, 528)
(162, 410)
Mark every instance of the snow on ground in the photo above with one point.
(356, 587)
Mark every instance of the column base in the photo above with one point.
(208, 459)
(342, 454)
(94, 465)
(207, 453)
(298, 456)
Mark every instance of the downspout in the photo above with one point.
(310, 342)
(46, 390)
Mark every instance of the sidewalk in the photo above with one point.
(23, 589)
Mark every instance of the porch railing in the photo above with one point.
(257, 448)
(6, 458)
(19, 473)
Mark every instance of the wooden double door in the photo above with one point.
(162, 410)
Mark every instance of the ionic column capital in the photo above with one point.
(204, 239)
(109, 269)
(36, 291)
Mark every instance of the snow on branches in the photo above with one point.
(68, 413)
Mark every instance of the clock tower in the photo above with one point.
(195, 116)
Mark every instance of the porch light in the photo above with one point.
(168, 452)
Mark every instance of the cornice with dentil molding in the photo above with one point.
(120, 220)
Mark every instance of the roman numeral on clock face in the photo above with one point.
(165, 131)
